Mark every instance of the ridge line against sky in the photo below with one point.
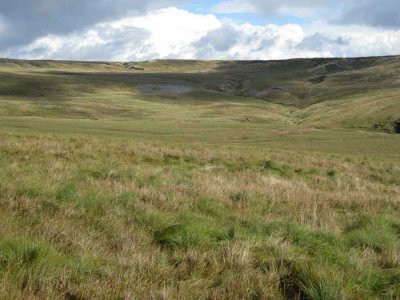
(131, 30)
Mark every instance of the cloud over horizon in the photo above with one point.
(124, 30)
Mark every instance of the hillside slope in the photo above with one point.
(348, 93)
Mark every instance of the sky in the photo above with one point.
(136, 30)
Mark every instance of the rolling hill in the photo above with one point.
(333, 93)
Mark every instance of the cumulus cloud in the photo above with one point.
(353, 40)
(98, 43)
(319, 42)
(177, 33)
(251, 42)
(221, 39)
(27, 20)
(152, 35)
(207, 37)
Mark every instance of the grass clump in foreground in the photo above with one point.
(174, 235)
(33, 268)
(156, 220)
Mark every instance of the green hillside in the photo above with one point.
(330, 93)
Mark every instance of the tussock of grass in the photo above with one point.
(67, 191)
(331, 173)
(375, 232)
(209, 206)
(303, 281)
(37, 268)
(174, 235)
(275, 166)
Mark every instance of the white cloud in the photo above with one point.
(136, 38)
(28, 20)
(357, 40)
(176, 33)
(255, 42)
(172, 30)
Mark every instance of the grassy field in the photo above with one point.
(200, 180)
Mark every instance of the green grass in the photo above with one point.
(193, 215)
(229, 191)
